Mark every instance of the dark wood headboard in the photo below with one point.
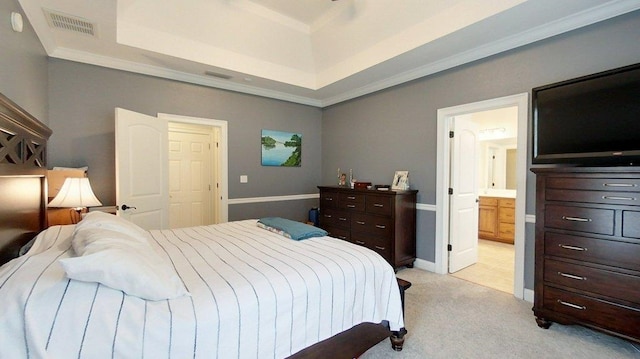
(23, 190)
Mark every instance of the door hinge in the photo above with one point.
(449, 248)
(450, 190)
(450, 134)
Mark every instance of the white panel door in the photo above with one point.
(189, 178)
(141, 169)
(463, 232)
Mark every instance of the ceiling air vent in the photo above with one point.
(69, 23)
(218, 75)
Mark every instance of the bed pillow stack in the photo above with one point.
(117, 253)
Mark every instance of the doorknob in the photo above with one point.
(124, 207)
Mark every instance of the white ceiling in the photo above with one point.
(314, 52)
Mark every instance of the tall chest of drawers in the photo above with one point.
(384, 221)
(587, 248)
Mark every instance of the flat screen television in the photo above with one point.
(592, 120)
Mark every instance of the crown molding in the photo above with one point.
(131, 66)
(581, 19)
(600, 13)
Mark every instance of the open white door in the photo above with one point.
(142, 191)
(463, 235)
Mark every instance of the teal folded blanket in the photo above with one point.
(291, 229)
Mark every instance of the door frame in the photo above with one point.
(443, 167)
(223, 162)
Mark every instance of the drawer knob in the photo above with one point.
(381, 226)
(341, 219)
(572, 276)
(328, 199)
(576, 219)
(378, 205)
(327, 215)
(360, 223)
(573, 248)
(380, 248)
(351, 206)
(619, 198)
(619, 185)
(571, 305)
(360, 243)
(342, 237)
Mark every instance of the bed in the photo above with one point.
(249, 292)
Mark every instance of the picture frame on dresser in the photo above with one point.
(400, 180)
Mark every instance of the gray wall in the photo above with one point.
(82, 102)
(23, 64)
(395, 129)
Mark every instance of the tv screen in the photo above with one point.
(591, 120)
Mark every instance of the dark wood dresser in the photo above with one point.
(384, 221)
(587, 248)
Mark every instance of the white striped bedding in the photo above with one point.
(254, 294)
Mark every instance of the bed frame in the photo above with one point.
(23, 190)
(23, 207)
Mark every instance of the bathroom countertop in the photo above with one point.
(505, 193)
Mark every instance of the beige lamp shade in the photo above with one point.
(75, 193)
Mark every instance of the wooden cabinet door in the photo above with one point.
(488, 222)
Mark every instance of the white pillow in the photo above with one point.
(123, 262)
(108, 221)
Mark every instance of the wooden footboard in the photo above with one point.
(357, 340)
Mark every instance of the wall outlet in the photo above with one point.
(244, 179)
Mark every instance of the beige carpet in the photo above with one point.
(452, 318)
(494, 268)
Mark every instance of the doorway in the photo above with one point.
(193, 175)
(217, 129)
(444, 168)
(496, 190)
(142, 175)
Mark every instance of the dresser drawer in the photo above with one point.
(618, 318)
(607, 197)
(601, 251)
(506, 230)
(335, 218)
(382, 205)
(339, 233)
(328, 200)
(631, 224)
(507, 215)
(592, 220)
(351, 201)
(588, 279)
(595, 184)
(375, 225)
(488, 201)
(379, 245)
(507, 202)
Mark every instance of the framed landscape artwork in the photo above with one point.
(282, 149)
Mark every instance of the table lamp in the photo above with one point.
(76, 193)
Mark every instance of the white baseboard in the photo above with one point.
(528, 295)
(424, 265)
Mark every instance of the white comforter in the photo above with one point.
(254, 294)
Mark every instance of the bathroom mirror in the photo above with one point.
(497, 165)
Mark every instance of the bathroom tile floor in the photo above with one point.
(494, 268)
